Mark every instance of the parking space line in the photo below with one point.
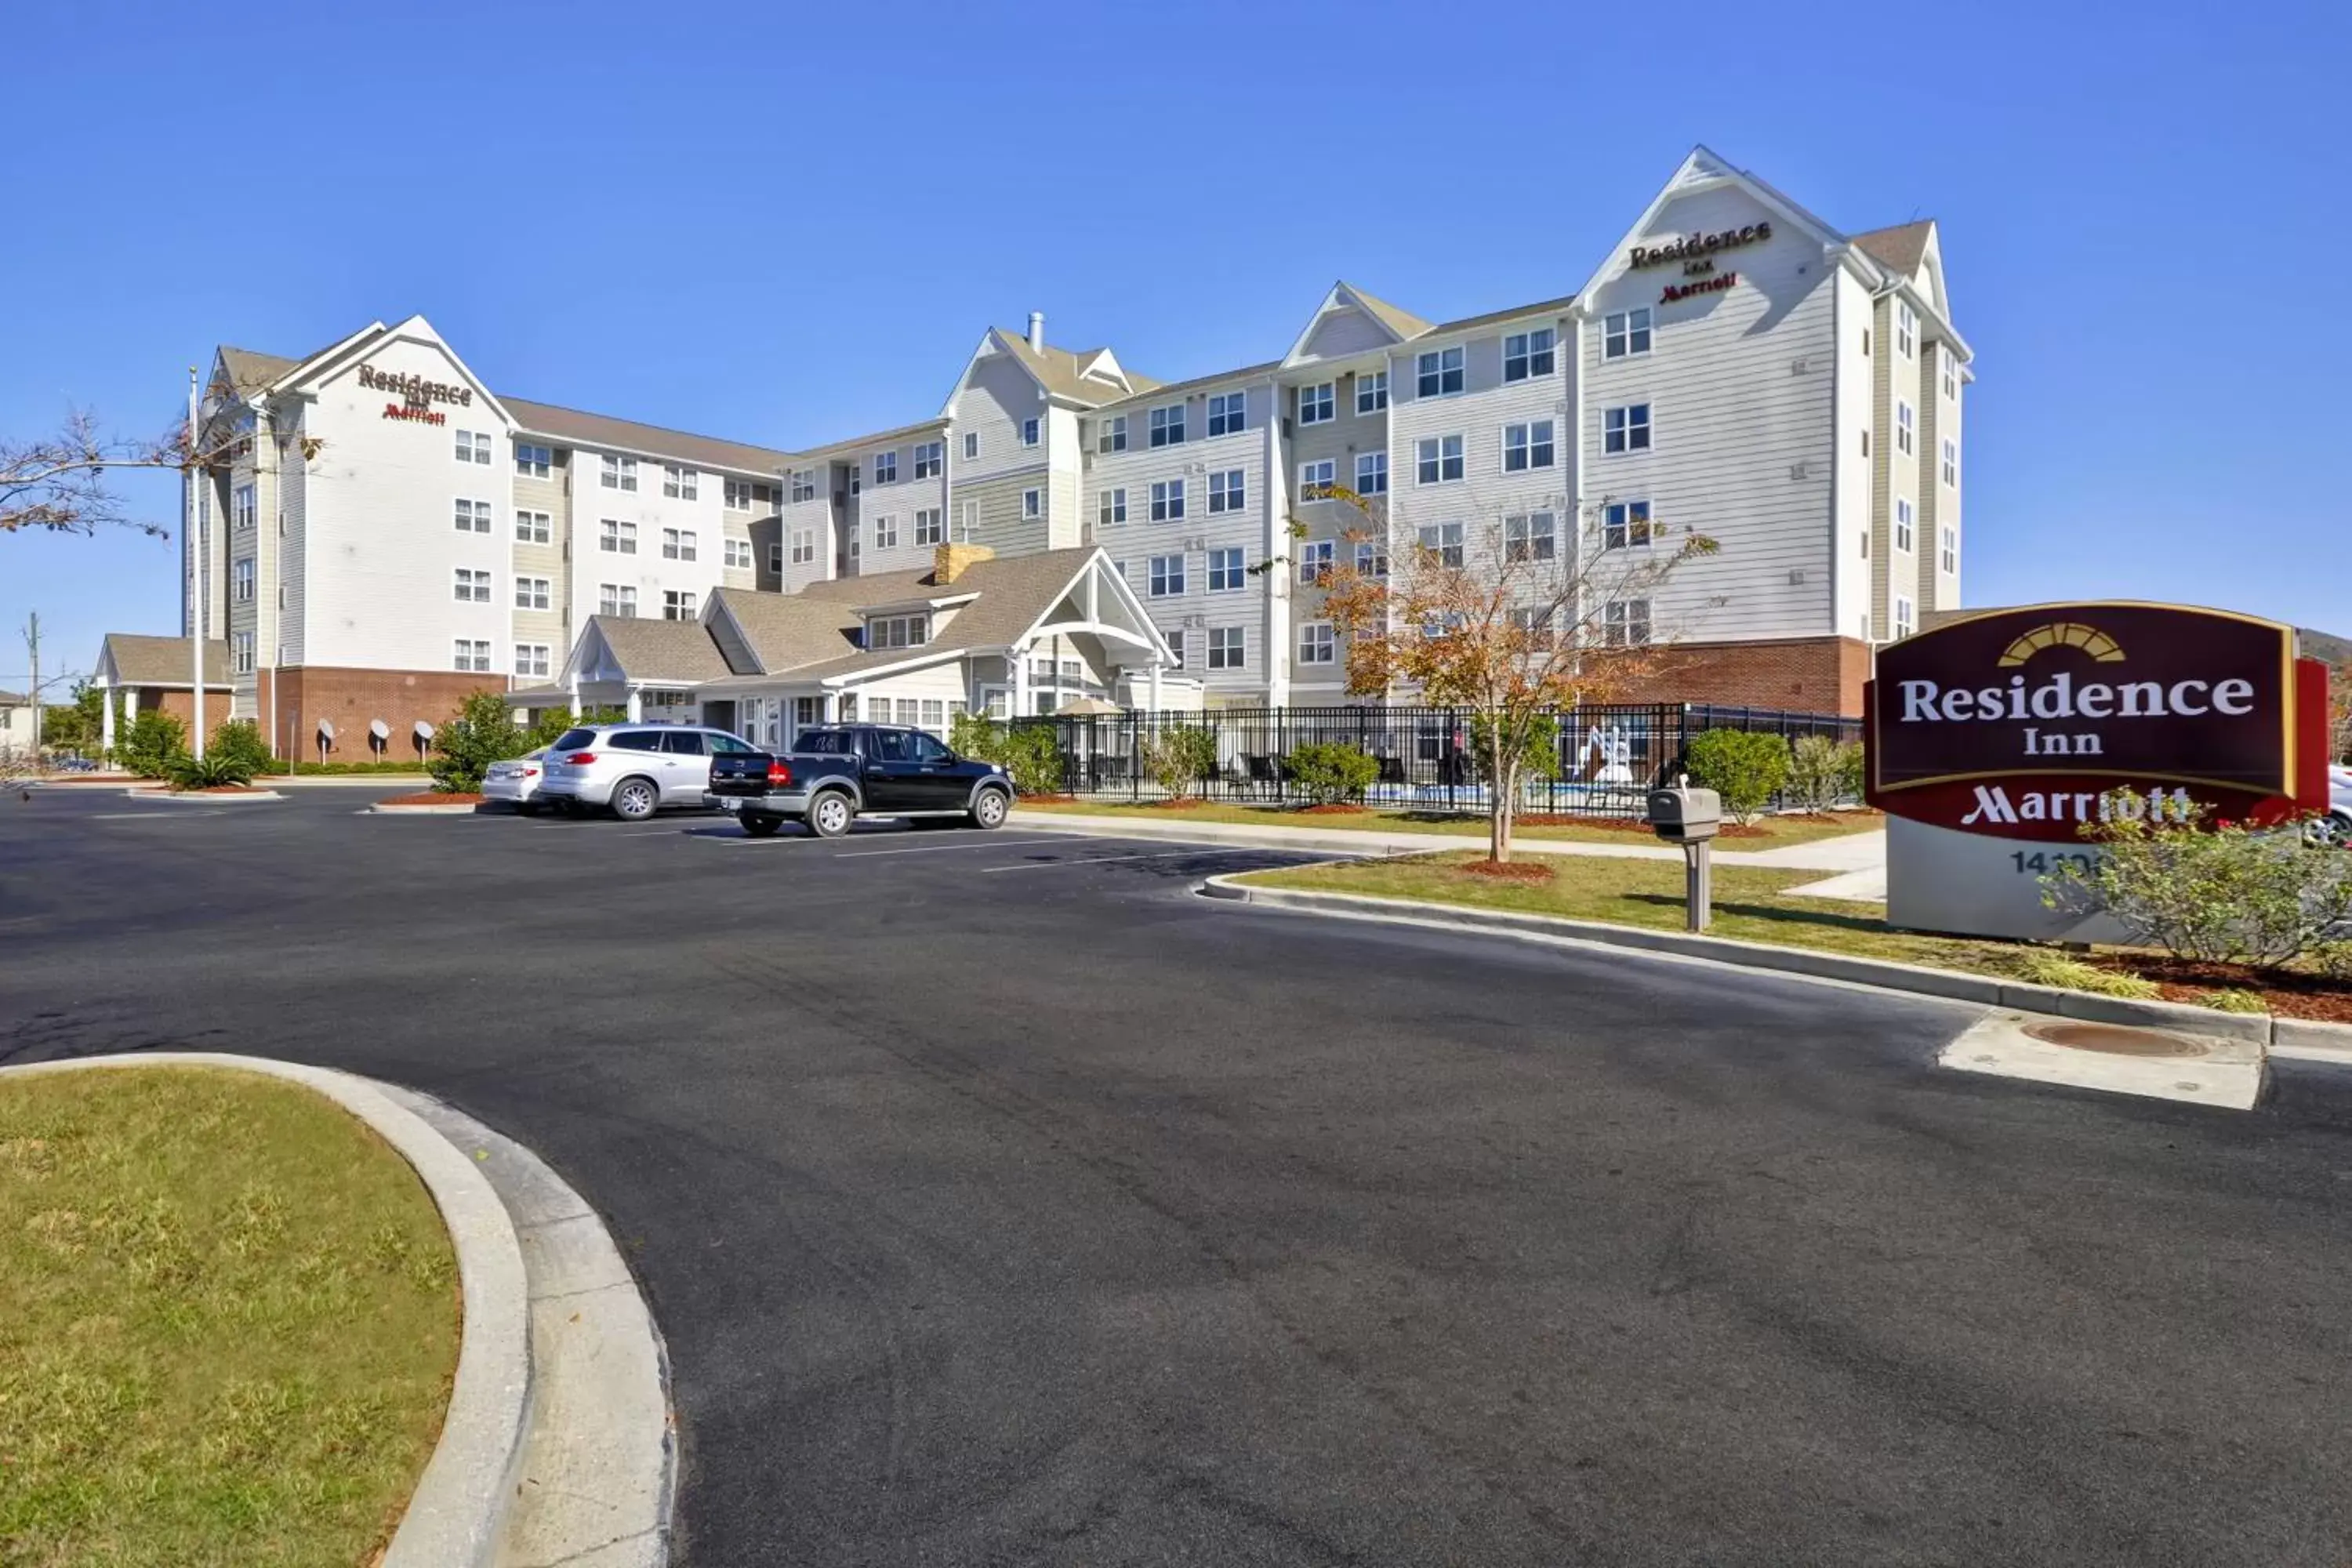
(935, 848)
(1098, 860)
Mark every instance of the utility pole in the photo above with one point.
(194, 475)
(33, 645)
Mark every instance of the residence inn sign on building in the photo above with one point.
(1996, 735)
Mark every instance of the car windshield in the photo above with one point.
(574, 740)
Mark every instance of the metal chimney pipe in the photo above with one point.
(1037, 330)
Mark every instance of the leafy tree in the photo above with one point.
(147, 747)
(77, 726)
(240, 741)
(1746, 767)
(1531, 735)
(1824, 774)
(1031, 753)
(1178, 757)
(1331, 774)
(463, 747)
(551, 722)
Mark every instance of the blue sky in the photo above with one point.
(787, 224)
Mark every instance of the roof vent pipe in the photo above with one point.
(1037, 330)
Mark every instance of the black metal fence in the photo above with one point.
(1609, 756)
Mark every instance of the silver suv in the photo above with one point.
(636, 769)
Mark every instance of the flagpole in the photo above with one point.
(196, 569)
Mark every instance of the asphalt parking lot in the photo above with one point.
(1003, 1203)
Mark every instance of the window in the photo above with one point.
(1906, 329)
(618, 473)
(472, 517)
(886, 468)
(1168, 425)
(1029, 432)
(1534, 626)
(1902, 427)
(240, 653)
(474, 447)
(1625, 333)
(1318, 644)
(930, 525)
(1167, 501)
(803, 546)
(1371, 391)
(241, 508)
(897, 631)
(776, 557)
(1531, 537)
(971, 445)
(531, 593)
(1439, 373)
(803, 485)
(679, 544)
(1113, 509)
(1226, 491)
(1176, 646)
(1225, 572)
(739, 554)
(934, 719)
(1315, 405)
(1167, 575)
(677, 605)
(970, 519)
(532, 528)
(532, 462)
(1527, 446)
(736, 494)
(683, 484)
(1437, 459)
(469, 655)
(1316, 479)
(1226, 648)
(1228, 413)
(930, 457)
(886, 532)
(1952, 470)
(1316, 559)
(1371, 473)
(1902, 616)
(1033, 504)
(1947, 558)
(1951, 373)
(472, 587)
(1371, 558)
(1527, 355)
(1626, 429)
(532, 658)
(1444, 540)
(1110, 434)
(240, 580)
(1624, 524)
(1625, 623)
(1902, 525)
(617, 537)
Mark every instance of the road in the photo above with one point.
(1003, 1203)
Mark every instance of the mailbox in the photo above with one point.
(1685, 815)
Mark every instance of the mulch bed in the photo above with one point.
(2290, 995)
(1506, 871)
(221, 789)
(432, 798)
(1338, 808)
(1625, 825)
(1177, 802)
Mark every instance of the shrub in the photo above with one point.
(241, 739)
(211, 771)
(2039, 966)
(1330, 772)
(2234, 1002)
(1823, 774)
(2215, 891)
(463, 748)
(2334, 959)
(1179, 756)
(551, 722)
(1032, 754)
(1746, 767)
(153, 739)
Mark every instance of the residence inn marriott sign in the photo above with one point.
(1996, 736)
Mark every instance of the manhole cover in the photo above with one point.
(2114, 1040)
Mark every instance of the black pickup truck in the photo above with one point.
(835, 775)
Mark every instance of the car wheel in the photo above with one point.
(830, 815)
(2334, 828)
(760, 825)
(527, 807)
(633, 800)
(990, 807)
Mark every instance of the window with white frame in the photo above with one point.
(681, 483)
(532, 658)
(1227, 573)
(1371, 473)
(776, 557)
(1903, 617)
(1317, 643)
(803, 546)
(470, 655)
(1176, 646)
(472, 516)
(618, 473)
(1228, 647)
(1442, 540)
(471, 587)
(1371, 391)
(1625, 333)
(1166, 576)
(803, 485)
(1625, 429)
(1029, 431)
(1527, 355)
(1527, 446)
(1112, 508)
(677, 605)
(1168, 425)
(240, 653)
(1624, 524)
(1033, 504)
(897, 631)
(1316, 404)
(970, 519)
(1314, 478)
(1907, 330)
(1531, 537)
(1438, 374)
(240, 580)
(1225, 491)
(532, 593)
(1167, 501)
(1534, 626)
(1947, 556)
(1903, 428)
(735, 494)
(886, 468)
(934, 715)
(533, 527)
(1228, 413)
(885, 533)
(1437, 459)
(617, 538)
(971, 445)
(1950, 362)
(930, 525)
(1902, 525)
(680, 545)
(1951, 466)
(1371, 558)
(242, 510)
(532, 461)
(1317, 557)
(739, 554)
(474, 447)
(1625, 623)
(930, 457)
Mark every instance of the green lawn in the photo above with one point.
(230, 1321)
(1780, 831)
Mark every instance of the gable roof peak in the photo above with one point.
(1901, 247)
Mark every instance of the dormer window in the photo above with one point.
(897, 631)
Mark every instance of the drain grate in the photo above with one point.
(2115, 1039)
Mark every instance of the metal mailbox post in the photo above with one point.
(1690, 817)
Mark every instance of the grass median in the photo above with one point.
(1771, 832)
(231, 1322)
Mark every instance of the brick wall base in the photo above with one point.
(293, 701)
(1807, 675)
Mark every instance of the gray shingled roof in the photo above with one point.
(1059, 370)
(162, 661)
(1901, 248)
(14, 699)
(682, 651)
(787, 631)
(249, 371)
(1397, 319)
(1540, 308)
(571, 426)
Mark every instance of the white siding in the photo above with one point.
(1853, 472)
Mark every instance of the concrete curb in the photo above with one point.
(464, 809)
(459, 1507)
(350, 781)
(198, 797)
(2292, 1037)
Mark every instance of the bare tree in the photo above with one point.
(59, 482)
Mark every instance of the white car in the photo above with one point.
(634, 770)
(2336, 826)
(516, 782)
